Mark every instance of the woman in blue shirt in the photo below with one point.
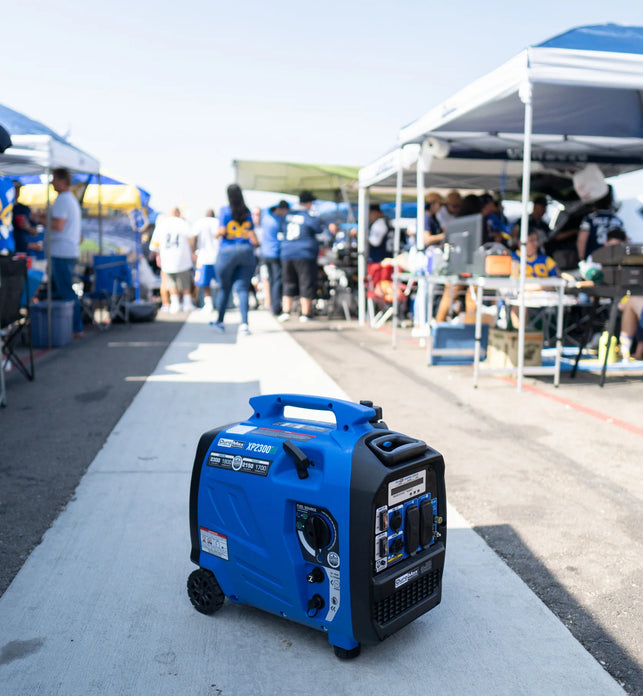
(236, 259)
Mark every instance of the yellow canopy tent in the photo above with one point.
(110, 195)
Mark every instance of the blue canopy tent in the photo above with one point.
(572, 100)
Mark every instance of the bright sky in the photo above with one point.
(167, 95)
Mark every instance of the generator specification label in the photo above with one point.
(237, 462)
(213, 543)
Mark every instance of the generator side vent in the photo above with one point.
(406, 597)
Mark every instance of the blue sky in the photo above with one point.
(167, 95)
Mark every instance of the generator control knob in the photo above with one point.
(317, 532)
(396, 520)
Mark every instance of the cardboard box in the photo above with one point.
(502, 349)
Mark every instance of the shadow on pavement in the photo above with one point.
(595, 638)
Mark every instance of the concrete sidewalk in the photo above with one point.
(100, 607)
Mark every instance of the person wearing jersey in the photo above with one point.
(236, 260)
(299, 249)
(173, 241)
(381, 235)
(594, 227)
(537, 265)
(272, 224)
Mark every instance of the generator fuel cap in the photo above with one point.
(317, 532)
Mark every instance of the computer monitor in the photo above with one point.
(464, 237)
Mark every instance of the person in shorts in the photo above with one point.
(173, 241)
(299, 249)
(207, 247)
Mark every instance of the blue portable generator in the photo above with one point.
(339, 526)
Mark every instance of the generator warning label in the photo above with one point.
(282, 434)
(333, 593)
(305, 426)
(213, 543)
(239, 429)
(237, 462)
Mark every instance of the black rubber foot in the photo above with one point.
(204, 591)
(344, 654)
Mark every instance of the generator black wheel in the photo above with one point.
(344, 654)
(204, 591)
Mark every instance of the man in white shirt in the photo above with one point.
(65, 242)
(173, 241)
(207, 247)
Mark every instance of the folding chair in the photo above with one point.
(15, 320)
(379, 294)
(113, 286)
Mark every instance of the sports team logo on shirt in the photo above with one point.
(236, 230)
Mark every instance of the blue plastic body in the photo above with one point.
(252, 518)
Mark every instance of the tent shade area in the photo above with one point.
(326, 181)
(573, 100)
(574, 120)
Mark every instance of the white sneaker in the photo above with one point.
(175, 308)
(303, 318)
(188, 306)
(244, 329)
(165, 308)
(217, 326)
(284, 316)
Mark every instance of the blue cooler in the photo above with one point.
(454, 344)
(62, 322)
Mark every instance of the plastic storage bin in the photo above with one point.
(62, 321)
(454, 344)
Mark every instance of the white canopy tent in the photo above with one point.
(36, 149)
(572, 100)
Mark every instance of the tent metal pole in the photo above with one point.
(420, 297)
(396, 247)
(362, 220)
(100, 215)
(526, 95)
(48, 256)
(342, 188)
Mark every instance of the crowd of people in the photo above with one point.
(572, 245)
(273, 253)
(225, 253)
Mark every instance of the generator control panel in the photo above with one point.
(405, 522)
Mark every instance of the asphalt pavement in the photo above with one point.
(547, 478)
